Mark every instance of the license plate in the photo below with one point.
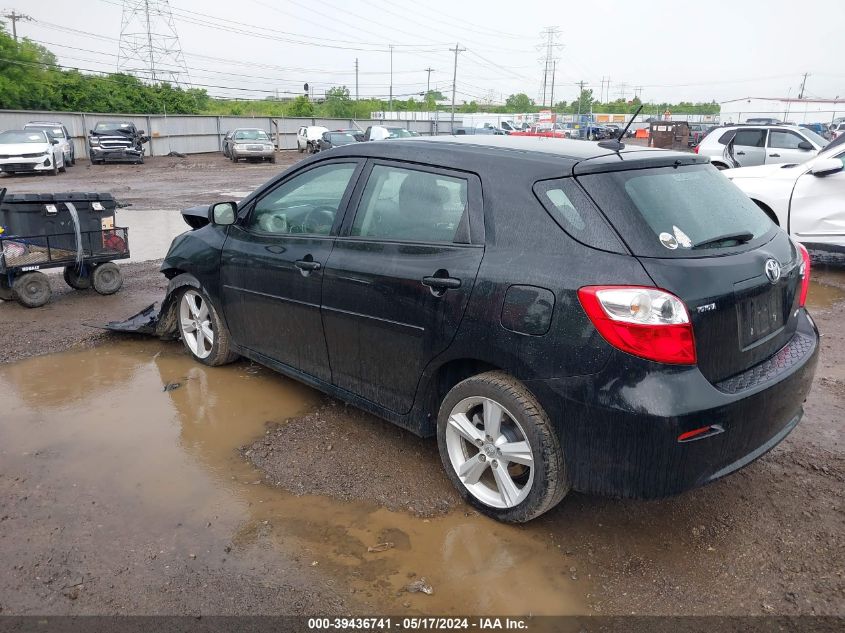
(254, 148)
(759, 316)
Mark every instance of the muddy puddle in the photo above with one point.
(827, 288)
(151, 438)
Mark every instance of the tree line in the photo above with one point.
(31, 79)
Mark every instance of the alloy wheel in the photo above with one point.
(195, 324)
(490, 452)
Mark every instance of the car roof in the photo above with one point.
(248, 129)
(51, 123)
(474, 152)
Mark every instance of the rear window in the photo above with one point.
(678, 211)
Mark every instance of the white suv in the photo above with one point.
(752, 145)
(308, 136)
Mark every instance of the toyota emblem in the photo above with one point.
(772, 269)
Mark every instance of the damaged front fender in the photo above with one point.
(162, 322)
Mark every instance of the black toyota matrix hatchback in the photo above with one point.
(561, 316)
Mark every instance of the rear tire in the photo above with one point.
(55, 170)
(75, 279)
(273, 159)
(107, 278)
(201, 329)
(472, 440)
(32, 289)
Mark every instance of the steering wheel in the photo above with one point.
(317, 218)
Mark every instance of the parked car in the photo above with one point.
(835, 122)
(806, 199)
(57, 131)
(112, 142)
(249, 143)
(380, 133)
(613, 130)
(821, 129)
(463, 131)
(751, 145)
(837, 131)
(308, 136)
(697, 131)
(476, 289)
(334, 139)
(29, 151)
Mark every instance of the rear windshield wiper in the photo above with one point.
(740, 236)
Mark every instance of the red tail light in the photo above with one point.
(644, 322)
(805, 275)
(695, 149)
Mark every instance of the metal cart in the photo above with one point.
(35, 237)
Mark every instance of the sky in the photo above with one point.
(661, 50)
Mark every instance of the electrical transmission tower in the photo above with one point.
(550, 46)
(149, 45)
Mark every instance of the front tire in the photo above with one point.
(203, 333)
(499, 448)
(107, 278)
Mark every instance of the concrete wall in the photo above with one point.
(194, 134)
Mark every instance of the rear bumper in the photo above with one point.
(619, 429)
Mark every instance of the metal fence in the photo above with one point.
(195, 134)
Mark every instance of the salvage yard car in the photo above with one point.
(334, 139)
(116, 142)
(308, 136)
(561, 316)
(30, 151)
(751, 145)
(806, 199)
(59, 132)
(249, 143)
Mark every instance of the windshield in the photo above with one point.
(113, 127)
(251, 135)
(667, 211)
(341, 139)
(22, 136)
(818, 140)
(50, 130)
(398, 132)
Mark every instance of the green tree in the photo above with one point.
(338, 103)
(583, 103)
(301, 106)
(519, 102)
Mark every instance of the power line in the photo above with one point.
(148, 37)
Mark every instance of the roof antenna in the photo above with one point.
(615, 143)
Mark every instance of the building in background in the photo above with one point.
(783, 109)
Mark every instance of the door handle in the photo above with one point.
(740, 153)
(306, 264)
(774, 155)
(441, 283)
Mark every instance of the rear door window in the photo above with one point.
(410, 205)
(678, 211)
(750, 138)
(784, 139)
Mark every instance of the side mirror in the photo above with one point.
(54, 141)
(826, 167)
(805, 145)
(141, 132)
(91, 132)
(223, 213)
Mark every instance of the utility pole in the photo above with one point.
(356, 79)
(455, 50)
(15, 18)
(428, 81)
(552, 98)
(150, 41)
(390, 107)
(803, 85)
